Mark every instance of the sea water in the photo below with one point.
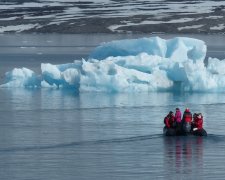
(61, 134)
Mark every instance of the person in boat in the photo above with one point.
(186, 121)
(197, 123)
(169, 120)
(178, 118)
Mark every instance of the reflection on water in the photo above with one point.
(184, 155)
(68, 98)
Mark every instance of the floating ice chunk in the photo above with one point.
(147, 64)
(21, 77)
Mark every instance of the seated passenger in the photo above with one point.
(187, 121)
(178, 119)
(198, 122)
(169, 120)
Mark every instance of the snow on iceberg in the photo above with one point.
(177, 49)
(21, 77)
(146, 64)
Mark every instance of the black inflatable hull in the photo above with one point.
(173, 132)
(199, 132)
(169, 131)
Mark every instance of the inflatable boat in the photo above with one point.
(174, 132)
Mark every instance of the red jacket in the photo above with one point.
(169, 121)
(187, 117)
(198, 122)
(178, 116)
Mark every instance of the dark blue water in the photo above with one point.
(58, 134)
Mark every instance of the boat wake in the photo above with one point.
(211, 138)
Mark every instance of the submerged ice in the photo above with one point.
(146, 64)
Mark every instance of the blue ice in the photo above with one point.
(145, 64)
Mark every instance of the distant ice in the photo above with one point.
(8, 19)
(71, 10)
(38, 17)
(18, 28)
(114, 28)
(214, 17)
(27, 5)
(190, 27)
(219, 27)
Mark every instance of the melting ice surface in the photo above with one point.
(146, 64)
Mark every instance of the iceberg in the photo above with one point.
(145, 64)
(21, 77)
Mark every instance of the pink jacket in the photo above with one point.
(178, 116)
